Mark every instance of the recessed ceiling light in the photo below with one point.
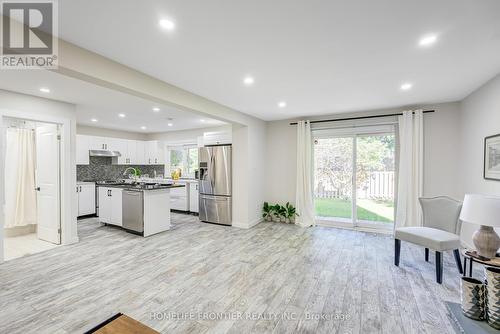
(156, 109)
(167, 24)
(282, 104)
(45, 90)
(428, 40)
(406, 86)
(93, 120)
(170, 124)
(248, 81)
(143, 127)
(202, 120)
(121, 115)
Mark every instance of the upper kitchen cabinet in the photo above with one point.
(140, 153)
(154, 153)
(132, 152)
(127, 149)
(119, 145)
(100, 143)
(83, 145)
(217, 138)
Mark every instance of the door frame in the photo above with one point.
(67, 170)
(353, 132)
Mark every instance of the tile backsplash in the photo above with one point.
(101, 168)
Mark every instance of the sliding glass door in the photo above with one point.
(333, 191)
(354, 176)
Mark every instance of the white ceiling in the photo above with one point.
(320, 56)
(103, 104)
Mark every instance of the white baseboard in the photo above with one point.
(247, 226)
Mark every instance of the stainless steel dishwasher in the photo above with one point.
(133, 210)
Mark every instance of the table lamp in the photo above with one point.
(484, 211)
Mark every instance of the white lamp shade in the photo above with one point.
(481, 210)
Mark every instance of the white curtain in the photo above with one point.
(304, 197)
(410, 178)
(20, 194)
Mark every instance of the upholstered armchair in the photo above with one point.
(440, 232)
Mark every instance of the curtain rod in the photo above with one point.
(360, 117)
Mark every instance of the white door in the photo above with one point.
(47, 182)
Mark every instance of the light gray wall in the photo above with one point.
(441, 151)
(441, 138)
(480, 118)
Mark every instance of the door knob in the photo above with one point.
(37, 188)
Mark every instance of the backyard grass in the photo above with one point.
(333, 207)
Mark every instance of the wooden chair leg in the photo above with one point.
(397, 251)
(439, 267)
(427, 255)
(456, 254)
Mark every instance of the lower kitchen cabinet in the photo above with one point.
(179, 199)
(193, 197)
(86, 199)
(110, 205)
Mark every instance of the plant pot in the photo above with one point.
(473, 298)
(493, 296)
(287, 220)
(269, 218)
(282, 220)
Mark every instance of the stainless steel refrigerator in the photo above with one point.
(215, 184)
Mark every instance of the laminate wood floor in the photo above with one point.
(203, 278)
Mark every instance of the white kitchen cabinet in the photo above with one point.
(132, 152)
(179, 199)
(119, 145)
(154, 153)
(193, 197)
(127, 149)
(83, 145)
(140, 154)
(116, 206)
(104, 205)
(86, 199)
(217, 138)
(110, 206)
(100, 143)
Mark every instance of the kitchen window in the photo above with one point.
(185, 158)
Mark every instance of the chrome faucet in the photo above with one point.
(136, 173)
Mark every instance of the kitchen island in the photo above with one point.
(141, 208)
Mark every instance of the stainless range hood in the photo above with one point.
(104, 153)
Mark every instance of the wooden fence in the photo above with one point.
(378, 185)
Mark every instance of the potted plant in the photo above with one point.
(290, 213)
(267, 212)
(276, 215)
(282, 213)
